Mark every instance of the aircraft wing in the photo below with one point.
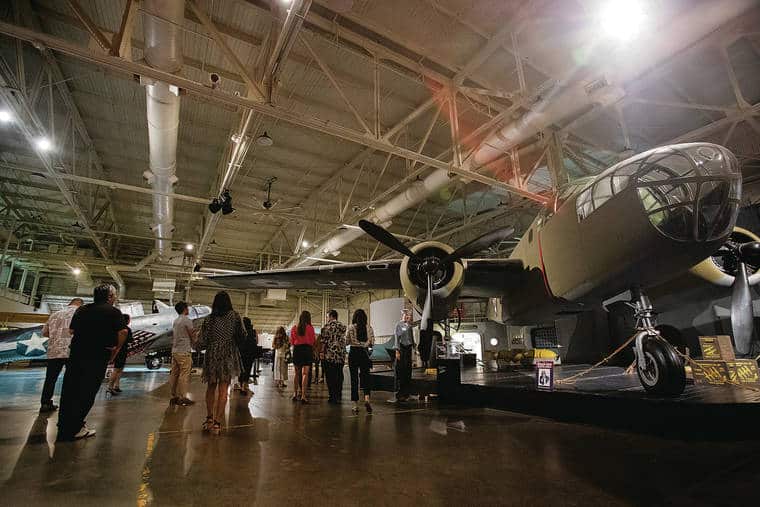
(353, 275)
(492, 277)
(483, 277)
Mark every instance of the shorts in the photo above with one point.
(303, 355)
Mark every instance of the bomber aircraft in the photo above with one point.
(636, 225)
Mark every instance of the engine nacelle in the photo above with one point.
(713, 270)
(447, 282)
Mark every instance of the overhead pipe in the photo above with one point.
(565, 103)
(162, 29)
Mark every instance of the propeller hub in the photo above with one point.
(749, 253)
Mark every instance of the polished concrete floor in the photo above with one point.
(276, 453)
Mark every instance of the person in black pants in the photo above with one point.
(56, 330)
(247, 351)
(360, 337)
(99, 332)
(333, 355)
(404, 343)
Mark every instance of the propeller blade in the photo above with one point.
(427, 309)
(742, 316)
(385, 237)
(478, 244)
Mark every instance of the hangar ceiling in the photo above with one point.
(362, 100)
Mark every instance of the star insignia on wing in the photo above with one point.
(34, 346)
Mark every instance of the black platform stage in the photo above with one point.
(606, 396)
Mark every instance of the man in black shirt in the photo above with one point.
(98, 333)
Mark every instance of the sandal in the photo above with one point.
(216, 428)
(208, 423)
(296, 397)
(304, 401)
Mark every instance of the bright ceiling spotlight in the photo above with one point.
(43, 144)
(494, 342)
(189, 247)
(76, 271)
(305, 244)
(622, 19)
(5, 116)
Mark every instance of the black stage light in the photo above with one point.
(215, 206)
(196, 268)
(227, 203)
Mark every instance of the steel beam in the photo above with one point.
(95, 33)
(121, 43)
(253, 86)
(336, 85)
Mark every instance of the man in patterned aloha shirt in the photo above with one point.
(56, 329)
(333, 355)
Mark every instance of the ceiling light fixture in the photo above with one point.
(622, 19)
(76, 271)
(43, 144)
(305, 244)
(264, 140)
(5, 116)
(189, 247)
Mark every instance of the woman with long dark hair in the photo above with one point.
(360, 338)
(220, 333)
(302, 338)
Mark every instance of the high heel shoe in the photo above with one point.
(208, 423)
(216, 428)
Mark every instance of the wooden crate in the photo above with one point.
(710, 372)
(743, 371)
(717, 348)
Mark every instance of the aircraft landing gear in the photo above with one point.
(660, 368)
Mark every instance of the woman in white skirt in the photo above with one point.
(281, 345)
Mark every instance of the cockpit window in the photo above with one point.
(688, 191)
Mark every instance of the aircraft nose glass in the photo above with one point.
(692, 193)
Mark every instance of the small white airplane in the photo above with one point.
(150, 332)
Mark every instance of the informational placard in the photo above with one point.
(545, 375)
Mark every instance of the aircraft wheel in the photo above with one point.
(673, 336)
(664, 372)
(153, 362)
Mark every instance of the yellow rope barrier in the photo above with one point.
(692, 363)
(573, 378)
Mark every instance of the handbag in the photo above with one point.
(288, 357)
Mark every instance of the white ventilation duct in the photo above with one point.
(162, 22)
(565, 104)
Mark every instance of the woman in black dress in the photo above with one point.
(120, 361)
(220, 333)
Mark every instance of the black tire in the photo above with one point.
(673, 336)
(665, 374)
(153, 362)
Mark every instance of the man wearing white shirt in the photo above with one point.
(57, 331)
